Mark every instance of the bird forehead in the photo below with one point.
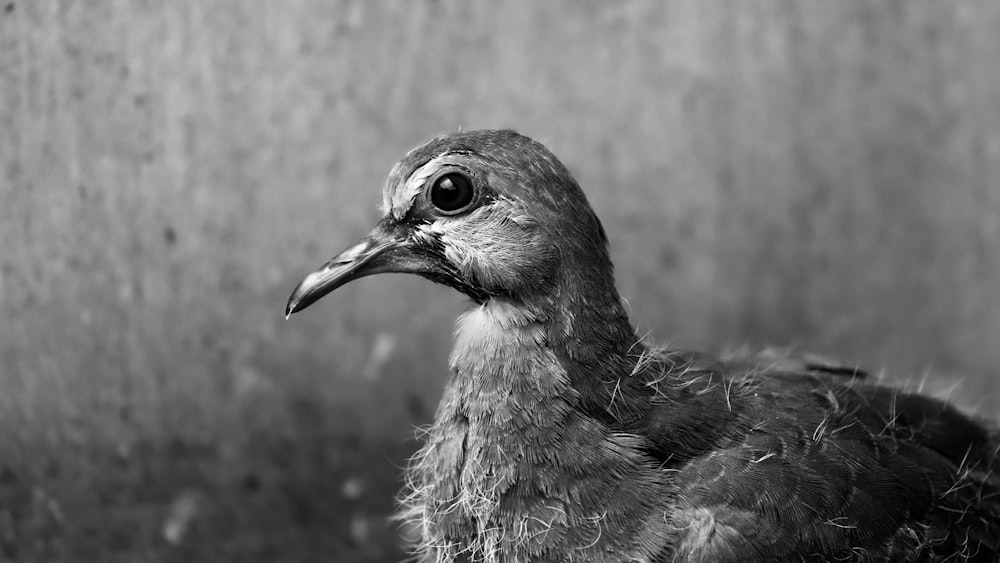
(400, 192)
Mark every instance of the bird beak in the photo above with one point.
(381, 251)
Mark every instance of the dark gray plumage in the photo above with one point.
(562, 437)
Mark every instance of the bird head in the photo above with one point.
(489, 213)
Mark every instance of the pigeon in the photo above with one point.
(563, 436)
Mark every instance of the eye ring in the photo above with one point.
(452, 193)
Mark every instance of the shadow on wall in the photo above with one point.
(819, 174)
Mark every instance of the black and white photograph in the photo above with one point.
(457, 281)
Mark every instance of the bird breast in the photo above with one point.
(511, 466)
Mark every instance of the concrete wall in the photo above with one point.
(817, 173)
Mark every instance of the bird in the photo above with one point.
(563, 436)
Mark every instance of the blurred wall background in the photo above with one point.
(823, 174)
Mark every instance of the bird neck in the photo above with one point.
(589, 328)
(579, 337)
(527, 409)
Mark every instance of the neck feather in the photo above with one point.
(528, 408)
(581, 351)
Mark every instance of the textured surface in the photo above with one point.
(823, 174)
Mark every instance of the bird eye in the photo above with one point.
(451, 193)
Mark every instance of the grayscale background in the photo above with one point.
(815, 173)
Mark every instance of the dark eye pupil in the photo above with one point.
(451, 192)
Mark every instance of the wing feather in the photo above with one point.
(781, 457)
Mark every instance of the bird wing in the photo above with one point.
(793, 460)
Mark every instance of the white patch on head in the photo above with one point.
(492, 244)
(387, 188)
(398, 201)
